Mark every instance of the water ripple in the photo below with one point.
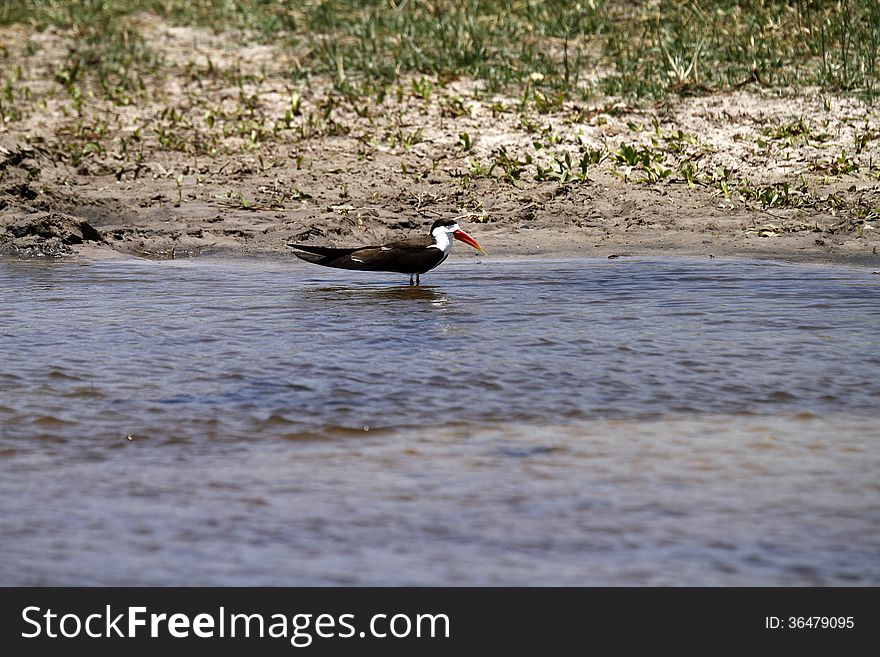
(578, 421)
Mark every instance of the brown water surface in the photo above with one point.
(628, 422)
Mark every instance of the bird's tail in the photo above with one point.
(320, 255)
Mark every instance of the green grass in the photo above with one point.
(641, 50)
(695, 47)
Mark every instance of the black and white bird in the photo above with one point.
(412, 256)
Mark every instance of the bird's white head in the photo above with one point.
(443, 229)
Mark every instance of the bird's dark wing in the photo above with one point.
(331, 257)
(410, 256)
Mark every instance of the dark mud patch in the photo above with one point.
(47, 234)
(33, 223)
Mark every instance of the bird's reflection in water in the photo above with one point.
(434, 296)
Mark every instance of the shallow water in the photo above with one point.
(627, 422)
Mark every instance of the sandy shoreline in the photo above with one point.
(540, 247)
(97, 222)
(502, 241)
(224, 155)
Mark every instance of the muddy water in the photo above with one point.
(628, 422)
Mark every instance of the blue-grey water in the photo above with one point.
(571, 422)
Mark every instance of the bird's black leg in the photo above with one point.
(418, 282)
(411, 279)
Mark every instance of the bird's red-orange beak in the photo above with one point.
(462, 236)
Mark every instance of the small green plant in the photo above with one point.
(406, 139)
(545, 104)
(511, 165)
(627, 154)
(838, 166)
(680, 66)
(843, 164)
(593, 156)
(9, 107)
(477, 169)
(551, 137)
(721, 178)
(862, 139)
(422, 88)
(779, 195)
(294, 110)
(790, 132)
(678, 141)
(689, 172)
(453, 107)
(563, 170)
(648, 161)
(178, 181)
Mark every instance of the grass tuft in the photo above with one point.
(554, 50)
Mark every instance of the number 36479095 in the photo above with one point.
(810, 622)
